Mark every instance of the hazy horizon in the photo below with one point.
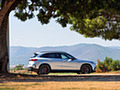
(66, 45)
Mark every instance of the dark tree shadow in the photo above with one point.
(59, 78)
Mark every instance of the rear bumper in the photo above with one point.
(32, 69)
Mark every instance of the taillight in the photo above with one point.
(33, 59)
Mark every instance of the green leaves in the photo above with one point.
(24, 16)
(92, 18)
(115, 65)
(19, 67)
(108, 65)
(22, 11)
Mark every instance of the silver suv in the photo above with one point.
(54, 61)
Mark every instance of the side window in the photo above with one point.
(69, 56)
(64, 56)
(50, 55)
(57, 55)
(45, 55)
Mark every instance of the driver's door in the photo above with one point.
(69, 64)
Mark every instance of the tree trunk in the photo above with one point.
(4, 56)
(6, 8)
(4, 14)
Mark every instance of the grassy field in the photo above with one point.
(38, 84)
(81, 85)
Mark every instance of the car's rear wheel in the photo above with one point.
(43, 69)
(85, 69)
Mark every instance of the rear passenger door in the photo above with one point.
(53, 59)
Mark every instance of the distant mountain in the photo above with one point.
(115, 47)
(21, 55)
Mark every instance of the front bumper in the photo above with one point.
(94, 70)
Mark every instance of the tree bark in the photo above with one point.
(6, 8)
(4, 48)
(4, 56)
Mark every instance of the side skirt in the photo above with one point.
(65, 71)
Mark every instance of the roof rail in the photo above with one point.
(52, 52)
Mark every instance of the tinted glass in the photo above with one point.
(51, 55)
(45, 55)
(57, 55)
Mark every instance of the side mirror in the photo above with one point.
(71, 59)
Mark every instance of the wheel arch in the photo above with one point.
(45, 64)
(88, 65)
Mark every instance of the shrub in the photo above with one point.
(19, 67)
(115, 65)
(100, 66)
(108, 64)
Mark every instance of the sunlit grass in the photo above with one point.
(18, 86)
(62, 85)
(6, 88)
(63, 74)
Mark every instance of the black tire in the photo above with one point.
(78, 73)
(43, 69)
(85, 69)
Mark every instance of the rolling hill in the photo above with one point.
(21, 55)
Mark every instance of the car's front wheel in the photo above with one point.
(85, 69)
(43, 69)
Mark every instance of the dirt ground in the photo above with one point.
(59, 82)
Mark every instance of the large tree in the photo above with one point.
(6, 6)
(92, 18)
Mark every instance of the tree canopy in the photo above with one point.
(92, 18)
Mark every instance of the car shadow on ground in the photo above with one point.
(59, 78)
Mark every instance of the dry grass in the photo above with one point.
(21, 82)
(52, 85)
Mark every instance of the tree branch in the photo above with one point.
(5, 8)
(15, 4)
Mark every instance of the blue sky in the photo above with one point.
(32, 34)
